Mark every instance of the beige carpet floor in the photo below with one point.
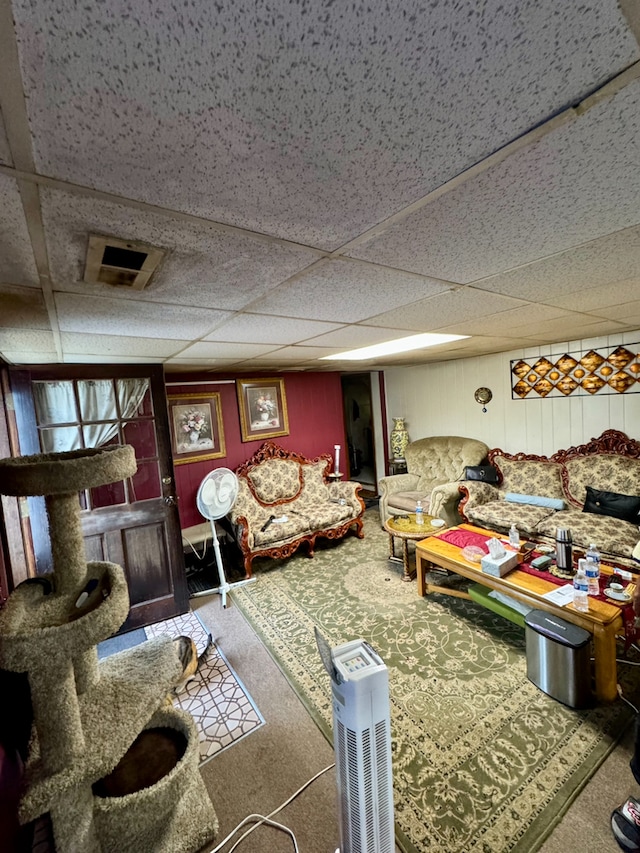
(261, 771)
(267, 767)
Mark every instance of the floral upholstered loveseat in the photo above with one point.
(277, 484)
(539, 494)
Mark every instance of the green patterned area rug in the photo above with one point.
(483, 760)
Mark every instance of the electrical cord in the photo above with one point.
(624, 699)
(267, 820)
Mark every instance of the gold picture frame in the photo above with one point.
(197, 433)
(263, 408)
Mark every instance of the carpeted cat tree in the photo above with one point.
(87, 714)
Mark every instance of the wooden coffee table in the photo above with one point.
(603, 621)
(407, 530)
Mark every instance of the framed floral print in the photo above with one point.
(263, 408)
(196, 427)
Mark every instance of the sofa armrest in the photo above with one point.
(474, 493)
(444, 502)
(349, 491)
(398, 483)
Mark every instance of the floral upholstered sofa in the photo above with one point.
(578, 488)
(285, 500)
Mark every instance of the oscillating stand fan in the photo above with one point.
(216, 495)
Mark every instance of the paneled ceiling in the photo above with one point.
(321, 175)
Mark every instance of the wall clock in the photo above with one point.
(483, 396)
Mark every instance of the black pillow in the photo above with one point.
(624, 507)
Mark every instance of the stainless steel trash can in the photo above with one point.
(558, 658)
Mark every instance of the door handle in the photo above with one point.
(171, 500)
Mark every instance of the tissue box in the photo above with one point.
(500, 566)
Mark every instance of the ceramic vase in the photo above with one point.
(399, 439)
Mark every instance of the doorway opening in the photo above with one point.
(358, 420)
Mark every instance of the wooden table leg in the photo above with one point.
(604, 652)
(407, 574)
(392, 550)
(421, 571)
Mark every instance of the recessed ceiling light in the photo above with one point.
(399, 345)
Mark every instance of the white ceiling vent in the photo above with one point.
(122, 263)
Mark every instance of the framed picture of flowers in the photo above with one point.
(196, 427)
(263, 408)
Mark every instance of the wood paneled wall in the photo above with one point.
(437, 399)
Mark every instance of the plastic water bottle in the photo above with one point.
(580, 590)
(592, 569)
(419, 513)
(514, 537)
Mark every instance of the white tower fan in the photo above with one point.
(362, 745)
(216, 496)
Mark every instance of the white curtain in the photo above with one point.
(56, 404)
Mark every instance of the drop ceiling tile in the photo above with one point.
(351, 105)
(74, 343)
(110, 359)
(99, 316)
(176, 365)
(346, 292)
(213, 349)
(353, 337)
(628, 313)
(17, 265)
(575, 330)
(5, 152)
(597, 299)
(445, 309)
(25, 339)
(266, 329)
(29, 357)
(22, 308)
(573, 186)
(205, 266)
(298, 353)
(565, 278)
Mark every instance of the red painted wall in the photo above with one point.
(316, 424)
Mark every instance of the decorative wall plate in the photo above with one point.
(483, 396)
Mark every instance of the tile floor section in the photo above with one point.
(218, 702)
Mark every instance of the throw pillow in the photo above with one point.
(535, 500)
(624, 507)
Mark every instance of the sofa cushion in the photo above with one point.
(612, 472)
(611, 535)
(294, 526)
(527, 476)
(276, 480)
(315, 487)
(319, 515)
(500, 515)
(625, 507)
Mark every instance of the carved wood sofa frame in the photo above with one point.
(331, 511)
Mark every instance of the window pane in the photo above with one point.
(108, 495)
(97, 400)
(141, 435)
(99, 435)
(59, 439)
(146, 482)
(55, 402)
(134, 397)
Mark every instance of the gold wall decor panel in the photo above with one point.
(609, 371)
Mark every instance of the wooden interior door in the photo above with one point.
(133, 523)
